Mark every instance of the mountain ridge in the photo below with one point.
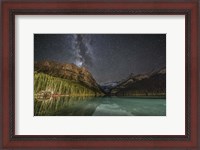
(142, 84)
(148, 84)
(67, 71)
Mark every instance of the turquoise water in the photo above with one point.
(100, 106)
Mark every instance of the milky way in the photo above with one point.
(109, 57)
(82, 50)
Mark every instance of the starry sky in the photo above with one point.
(109, 57)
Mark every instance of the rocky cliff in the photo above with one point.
(142, 85)
(67, 73)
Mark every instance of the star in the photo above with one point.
(109, 57)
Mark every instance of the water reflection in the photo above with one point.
(66, 106)
(100, 106)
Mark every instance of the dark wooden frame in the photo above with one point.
(10, 140)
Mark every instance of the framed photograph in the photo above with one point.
(100, 75)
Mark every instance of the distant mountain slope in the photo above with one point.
(108, 86)
(142, 85)
(67, 73)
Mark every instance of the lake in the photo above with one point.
(100, 106)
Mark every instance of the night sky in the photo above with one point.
(109, 57)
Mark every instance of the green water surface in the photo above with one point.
(100, 106)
